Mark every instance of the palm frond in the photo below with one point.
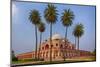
(50, 14)
(78, 30)
(67, 17)
(34, 17)
(41, 27)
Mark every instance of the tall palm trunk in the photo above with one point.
(78, 47)
(50, 42)
(36, 42)
(75, 42)
(40, 44)
(78, 43)
(65, 42)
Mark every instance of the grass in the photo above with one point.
(26, 61)
(20, 61)
(72, 60)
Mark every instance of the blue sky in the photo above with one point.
(23, 37)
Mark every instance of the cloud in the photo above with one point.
(15, 15)
(14, 9)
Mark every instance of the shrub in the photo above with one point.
(14, 59)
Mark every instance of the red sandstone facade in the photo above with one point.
(59, 50)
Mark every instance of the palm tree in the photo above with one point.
(34, 17)
(14, 58)
(41, 28)
(67, 18)
(75, 37)
(78, 32)
(50, 15)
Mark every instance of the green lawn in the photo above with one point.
(71, 60)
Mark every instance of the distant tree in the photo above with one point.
(74, 33)
(78, 32)
(14, 58)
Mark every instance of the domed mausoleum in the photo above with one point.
(59, 50)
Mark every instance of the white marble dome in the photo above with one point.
(56, 36)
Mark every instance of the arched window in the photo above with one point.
(46, 46)
(61, 46)
(42, 48)
(46, 54)
(52, 46)
(56, 44)
(73, 47)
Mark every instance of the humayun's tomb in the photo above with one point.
(58, 52)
